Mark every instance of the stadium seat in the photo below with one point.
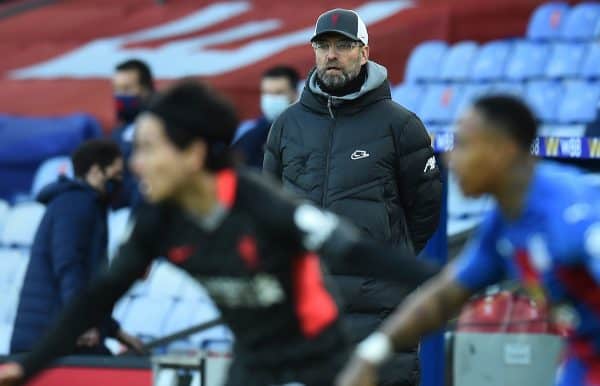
(509, 88)
(192, 290)
(21, 224)
(121, 308)
(146, 316)
(409, 95)
(142, 286)
(565, 60)
(544, 98)
(581, 23)
(580, 102)
(458, 61)
(13, 266)
(425, 61)
(547, 20)
(166, 280)
(490, 62)
(49, 171)
(590, 68)
(470, 93)
(440, 104)
(527, 61)
(117, 223)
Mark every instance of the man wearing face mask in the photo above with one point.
(347, 147)
(278, 91)
(133, 86)
(70, 248)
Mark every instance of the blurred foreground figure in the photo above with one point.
(544, 232)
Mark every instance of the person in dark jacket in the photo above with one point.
(278, 89)
(348, 147)
(70, 247)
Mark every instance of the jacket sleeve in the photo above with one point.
(72, 235)
(419, 180)
(272, 160)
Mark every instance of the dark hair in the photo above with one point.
(286, 72)
(193, 111)
(511, 115)
(142, 69)
(101, 152)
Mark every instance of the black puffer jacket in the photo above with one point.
(368, 159)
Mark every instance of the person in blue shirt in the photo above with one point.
(545, 232)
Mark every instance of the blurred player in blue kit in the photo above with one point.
(544, 232)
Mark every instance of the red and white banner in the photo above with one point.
(59, 58)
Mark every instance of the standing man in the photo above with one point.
(545, 232)
(133, 86)
(348, 147)
(278, 89)
(70, 248)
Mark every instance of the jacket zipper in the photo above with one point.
(326, 182)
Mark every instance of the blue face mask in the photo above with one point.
(127, 107)
(273, 105)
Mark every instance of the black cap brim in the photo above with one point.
(335, 31)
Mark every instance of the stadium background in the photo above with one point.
(58, 57)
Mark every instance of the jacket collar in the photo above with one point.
(375, 88)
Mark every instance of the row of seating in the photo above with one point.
(564, 103)
(510, 60)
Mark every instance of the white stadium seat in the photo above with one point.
(21, 224)
(49, 171)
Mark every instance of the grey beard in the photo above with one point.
(336, 82)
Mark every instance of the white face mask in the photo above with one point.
(273, 105)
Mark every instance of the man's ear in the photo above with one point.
(364, 55)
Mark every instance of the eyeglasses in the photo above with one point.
(341, 46)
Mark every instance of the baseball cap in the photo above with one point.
(344, 22)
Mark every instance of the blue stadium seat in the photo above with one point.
(544, 98)
(166, 280)
(440, 104)
(21, 224)
(582, 22)
(580, 102)
(409, 95)
(565, 60)
(192, 290)
(510, 88)
(458, 61)
(13, 265)
(491, 61)
(547, 20)
(527, 61)
(49, 171)
(146, 316)
(121, 308)
(590, 68)
(425, 61)
(469, 94)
